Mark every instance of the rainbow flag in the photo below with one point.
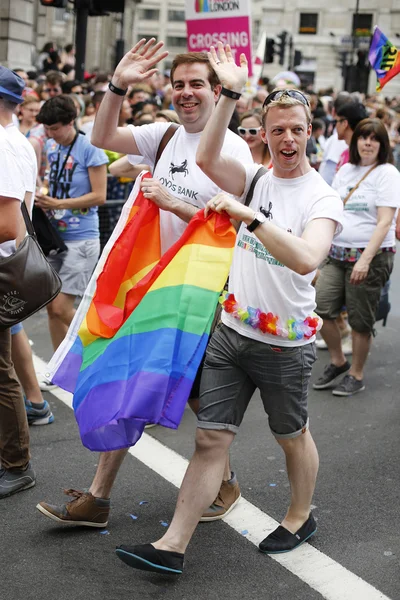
(384, 58)
(133, 349)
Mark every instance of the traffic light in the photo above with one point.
(269, 50)
(54, 3)
(98, 8)
(297, 58)
(282, 45)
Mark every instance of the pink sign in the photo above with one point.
(235, 31)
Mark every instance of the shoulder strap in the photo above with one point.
(168, 135)
(262, 171)
(358, 184)
(27, 219)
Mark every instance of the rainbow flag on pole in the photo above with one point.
(133, 349)
(384, 58)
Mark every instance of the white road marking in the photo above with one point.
(319, 571)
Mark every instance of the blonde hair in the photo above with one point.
(286, 101)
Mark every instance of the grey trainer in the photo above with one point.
(349, 386)
(12, 482)
(330, 376)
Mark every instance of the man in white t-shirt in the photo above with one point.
(180, 189)
(334, 147)
(268, 325)
(16, 473)
(38, 409)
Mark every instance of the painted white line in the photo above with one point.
(323, 574)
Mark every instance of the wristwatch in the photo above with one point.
(258, 219)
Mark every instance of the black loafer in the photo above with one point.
(147, 558)
(282, 540)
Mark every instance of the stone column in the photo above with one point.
(17, 26)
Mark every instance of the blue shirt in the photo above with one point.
(73, 181)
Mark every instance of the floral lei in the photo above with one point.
(269, 323)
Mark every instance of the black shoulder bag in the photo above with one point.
(27, 281)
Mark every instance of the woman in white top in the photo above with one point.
(361, 258)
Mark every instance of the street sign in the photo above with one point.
(227, 21)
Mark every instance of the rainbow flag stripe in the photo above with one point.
(384, 58)
(134, 347)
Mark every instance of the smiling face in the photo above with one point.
(368, 149)
(253, 141)
(287, 132)
(192, 96)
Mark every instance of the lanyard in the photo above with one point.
(59, 172)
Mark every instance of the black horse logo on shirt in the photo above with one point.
(178, 169)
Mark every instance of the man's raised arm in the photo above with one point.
(228, 173)
(136, 66)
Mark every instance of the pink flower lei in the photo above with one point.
(270, 323)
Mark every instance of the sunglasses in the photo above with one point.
(336, 121)
(251, 130)
(291, 93)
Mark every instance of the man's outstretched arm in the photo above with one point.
(228, 173)
(136, 66)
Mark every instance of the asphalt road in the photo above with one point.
(356, 501)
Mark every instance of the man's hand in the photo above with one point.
(137, 64)
(46, 202)
(154, 190)
(230, 75)
(222, 202)
(359, 272)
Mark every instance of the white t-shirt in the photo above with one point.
(379, 188)
(257, 279)
(178, 172)
(25, 154)
(11, 179)
(334, 148)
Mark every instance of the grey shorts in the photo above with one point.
(75, 267)
(235, 366)
(334, 290)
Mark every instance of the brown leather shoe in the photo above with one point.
(84, 509)
(228, 496)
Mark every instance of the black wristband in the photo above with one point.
(117, 90)
(230, 94)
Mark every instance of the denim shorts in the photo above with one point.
(235, 366)
(76, 265)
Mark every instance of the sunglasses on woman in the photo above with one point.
(252, 130)
(291, 93)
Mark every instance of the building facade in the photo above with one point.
(322, 36)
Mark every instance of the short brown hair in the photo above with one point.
(54, 78)
(190, 58)
(368, 127)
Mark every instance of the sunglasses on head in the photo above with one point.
(251, 130)
(291, 93)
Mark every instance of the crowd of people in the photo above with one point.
(314, 250)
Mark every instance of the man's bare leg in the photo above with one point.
(302, 464)
(331, 334)
(199, 487)
(107, 469)
(195, 405)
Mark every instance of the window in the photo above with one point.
(308, 23)
(149, 14)
(176, 15)
(362, 24)
(59, 14)
(177, 42)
